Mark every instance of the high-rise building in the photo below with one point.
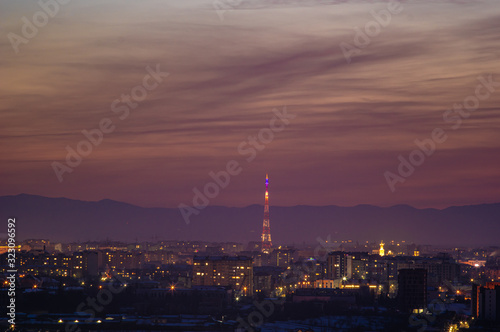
(336, 265)
(412, 289)
(485, 302)
(233, 271)
(266, 229)
(282, 257)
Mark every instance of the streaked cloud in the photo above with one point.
(353, 120)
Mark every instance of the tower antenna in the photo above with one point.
(266, 229)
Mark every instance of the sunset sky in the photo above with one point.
(352, 120)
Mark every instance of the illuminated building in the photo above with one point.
(121, 260)
(357, 265)
(160, 257)
(266, 229)
(377, 268)
(39, 262)
(327, 283)
(233, 271)
(85, 263)
(336, 265)
(282, 257)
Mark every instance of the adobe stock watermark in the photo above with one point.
(30, 28)
(121, 106)
(222, 6)
(249, 148)
(296, 274)
(93, 305)
(454, 116)
(363, 38)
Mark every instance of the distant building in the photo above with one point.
(232, 247)
(213, 250)
(357, 265)
(377, 268)
(263, 283)
(233, 271)
(485, 304)
(37, 244)
(159, 257)
(266, 279)
(327, 283)
(120, 260)
(337, 265)
(412, 289)
(259, 259)
(40, 262)
(254, 246)
(86, 264)
(282, 257)
(440, 269)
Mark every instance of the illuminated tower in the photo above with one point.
(266, 229)
(381, 250)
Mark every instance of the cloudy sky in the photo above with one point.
(232, 62)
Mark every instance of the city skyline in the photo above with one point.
(250, 165)
(52, 217)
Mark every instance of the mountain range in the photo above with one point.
(67, 220)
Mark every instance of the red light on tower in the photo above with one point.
(266, 229)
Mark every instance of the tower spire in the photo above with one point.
(381, 251)
(266, 229)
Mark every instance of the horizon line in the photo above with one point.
(246, 206)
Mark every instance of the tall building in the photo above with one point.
(412, 289)
(485, 302)
(336, 265)
(233, 271)
(266, 229)
(282, 257)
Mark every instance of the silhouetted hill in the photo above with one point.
(62, 219)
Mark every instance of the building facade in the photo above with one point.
(233, 271)
(412, 289)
